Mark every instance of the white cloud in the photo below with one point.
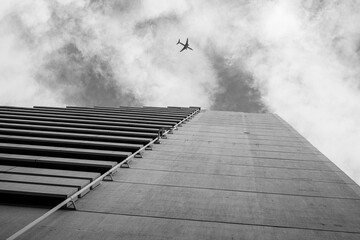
(311, 78)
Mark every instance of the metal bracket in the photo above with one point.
(110, 177)
(138, 155)
(125, 165)
(160, 135)
(148, 147)
(72, 202)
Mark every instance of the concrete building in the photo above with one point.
(215, 175)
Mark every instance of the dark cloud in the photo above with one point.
(113, 7)
(236, 91)
(314, 7)
(12, 23)
(151, 25)
(77, 72)
(83, 80)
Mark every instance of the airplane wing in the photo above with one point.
(180, 43)
(190, 48)
(183, 49)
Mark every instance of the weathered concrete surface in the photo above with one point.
(94, 226)
(223, 175)
(13, 218)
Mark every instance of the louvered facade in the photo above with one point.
(47, 154)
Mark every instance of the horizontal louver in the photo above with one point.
(48, 153)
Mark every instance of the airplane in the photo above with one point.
(186, 45)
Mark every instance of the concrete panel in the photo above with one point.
(227, 130)
(225, 206)
(240, 135)
(237, 170)
(237, 160)
(13, 218)
(239, 152)
(244, 145)
(204, 150)
(178, 138)
(239, 125)
(93, 225)
(237, 183)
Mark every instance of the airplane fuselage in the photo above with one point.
(186, 45)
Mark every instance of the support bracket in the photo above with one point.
(160, 135)
(138, 155)
(72, 203)
(125, 165)
(110, 177)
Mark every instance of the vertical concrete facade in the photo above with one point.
(222, 175)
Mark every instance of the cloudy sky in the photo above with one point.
(299, 59)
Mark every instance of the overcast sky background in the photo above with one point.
(299, 59)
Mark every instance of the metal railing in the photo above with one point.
(74, 197)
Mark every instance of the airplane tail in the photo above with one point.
(178, 42)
